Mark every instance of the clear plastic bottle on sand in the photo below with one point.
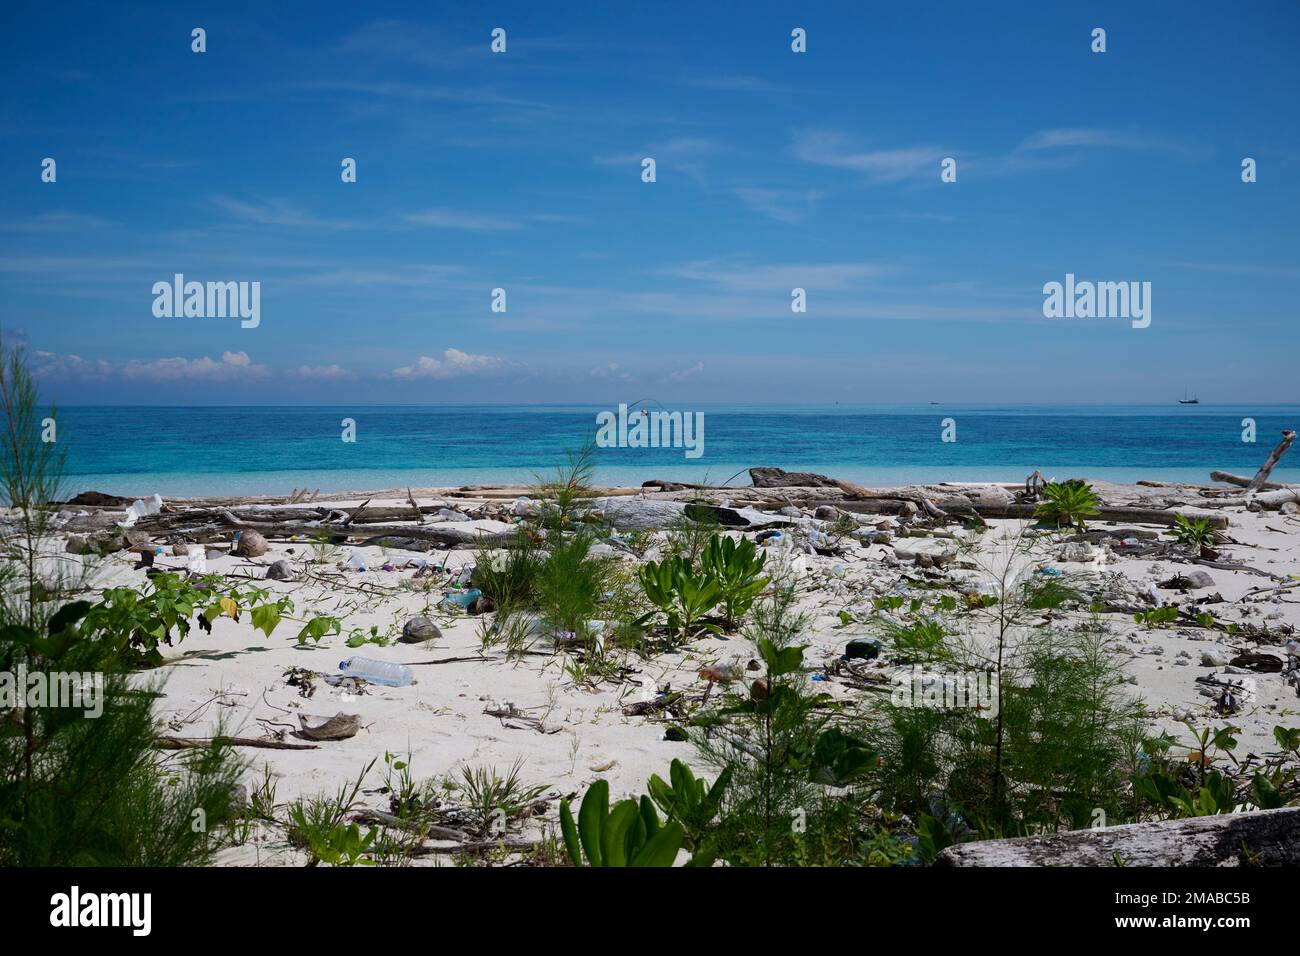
(377, 672)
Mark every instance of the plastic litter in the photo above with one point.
(463, 599)
(141, 508)
(356, 561)
(377, 672)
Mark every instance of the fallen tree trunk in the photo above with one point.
(1271, 837)
(443, 537)
(1270, 500)
(1241, 482)
(1261, 476)
(199, 743)
(1016, 510)
(641, 514)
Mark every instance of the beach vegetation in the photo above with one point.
(82, 785)
(682, 593)
(1067, 503)
(627, 834)
(690, 533)
(1193, 533)
(492, 800)
(792, 761)
(566, 493)
(737, 567)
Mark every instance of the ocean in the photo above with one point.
(184, 451)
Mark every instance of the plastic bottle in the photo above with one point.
(377, 672)
(463, 599)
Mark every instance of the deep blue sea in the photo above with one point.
(254, 450)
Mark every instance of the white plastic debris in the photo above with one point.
(141, 508)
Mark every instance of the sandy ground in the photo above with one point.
(236, 678)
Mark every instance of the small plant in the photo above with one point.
(492, 800)
(570, 583)
(566, 493)
(1156, 617)
(689, 800)
(922, 640)
(1066, 504)
(509, 579)
(737, 568)
(316, 824)
(323, 548)
(629, 834)
(1193, 533)
(681, 593)
(689, 534)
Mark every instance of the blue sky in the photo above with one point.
(775, 170)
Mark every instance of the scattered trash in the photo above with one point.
(142, 508)
(462, 599)
(377, 672)
(861, 649)
(356, 561)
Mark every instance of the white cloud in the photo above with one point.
(825, 148)
(683, 374)
(454, 363)
(610, 370)
(50, 366)
(323, 373)
(783, 205)
(772, 278)
(451, 219)
(233, 366)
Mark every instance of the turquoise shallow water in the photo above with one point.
(253, 450)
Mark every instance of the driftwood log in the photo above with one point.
(1017, 510)
(1241, 481)
(167, 742)
(1261, 476)
(1270, 837)
(443, 537)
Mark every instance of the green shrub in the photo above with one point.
(1194, 533)
(683, 594)
(1068, 503)
(629, 834)
(737, 567)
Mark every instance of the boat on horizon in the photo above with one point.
(1189, 401)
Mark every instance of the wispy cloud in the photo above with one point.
(731, 83)
(682, 375)
(784, 277)
(1076, 138)
(453, 219)
(783, 205)
(278, 213)
(52, 222)
(610, 370)
(828, 148)
(323, 373)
